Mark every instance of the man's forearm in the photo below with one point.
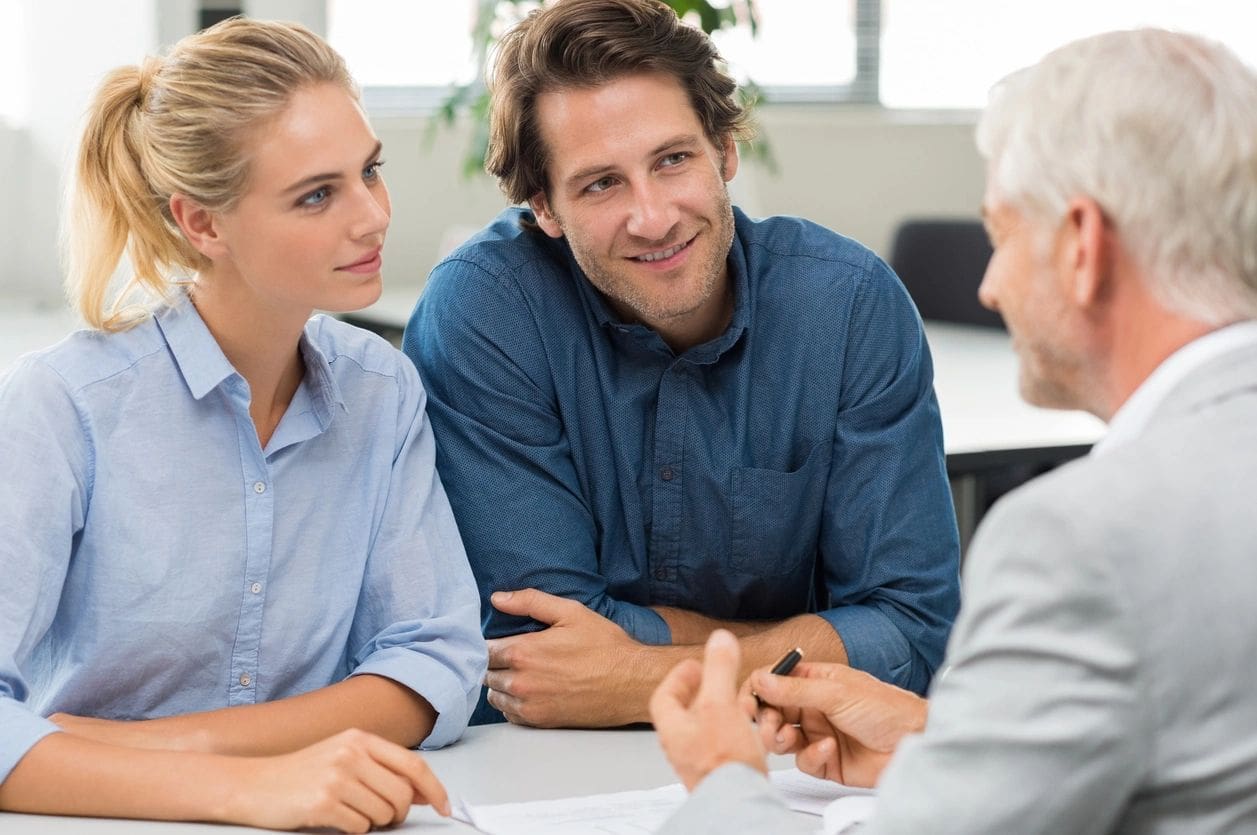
(367, 702)
(762, 644)
(811, 632)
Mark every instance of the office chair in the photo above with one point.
(941, 262)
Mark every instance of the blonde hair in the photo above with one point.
(175, 125)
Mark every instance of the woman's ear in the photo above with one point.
(199, 226)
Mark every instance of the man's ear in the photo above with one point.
(546, 219)
(729, 165)
(199, 226)
(1087, 255)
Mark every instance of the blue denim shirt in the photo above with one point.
(792, 464)
(156, 560)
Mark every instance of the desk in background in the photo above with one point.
(987, 428)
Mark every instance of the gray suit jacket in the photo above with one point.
(1100, 676)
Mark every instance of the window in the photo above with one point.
(13, 88)
(937, 55)
(903, 53)
(406, 54)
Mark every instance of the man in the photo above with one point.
(1098, 676)
(656, 416)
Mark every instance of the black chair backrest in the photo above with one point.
(941, 262)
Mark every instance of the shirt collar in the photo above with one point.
(204, 366)
(1134, 415)
(325, 392)
(199, 359)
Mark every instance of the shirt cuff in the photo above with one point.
(874, 644)
(22, 729)
(642, 623)
(434, 681)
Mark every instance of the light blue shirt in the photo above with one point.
(155, 560)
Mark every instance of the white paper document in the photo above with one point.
(642, 812)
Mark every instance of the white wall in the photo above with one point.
(69, 46)
(858, 171)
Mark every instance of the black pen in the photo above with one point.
(782, 668)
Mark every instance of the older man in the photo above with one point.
(1098, 676)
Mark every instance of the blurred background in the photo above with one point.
(868, 107)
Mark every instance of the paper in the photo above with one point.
(805, 793)
(621, 813)
(642, 812)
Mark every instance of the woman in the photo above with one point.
(225, 544)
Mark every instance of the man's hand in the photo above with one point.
(578, 673)
(842, 724)
(696, 712)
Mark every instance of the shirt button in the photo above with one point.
(666, 473)
(259, 487)
(661, 573)
(255, 588)
(245, 681)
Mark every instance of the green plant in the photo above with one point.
(493, 17)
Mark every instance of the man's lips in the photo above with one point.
(662, 254)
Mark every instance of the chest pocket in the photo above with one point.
(777, 515)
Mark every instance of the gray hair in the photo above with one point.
(1160, 129)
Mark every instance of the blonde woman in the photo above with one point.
(232, 586)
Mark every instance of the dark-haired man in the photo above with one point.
(656, 416)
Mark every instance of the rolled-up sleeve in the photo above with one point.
(43, 496)
(417, 621)
(889, 542)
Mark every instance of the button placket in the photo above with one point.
(259, 528)
(670, 419)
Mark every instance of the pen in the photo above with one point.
(782, 668)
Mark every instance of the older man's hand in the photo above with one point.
(841, 724)
(696, 712)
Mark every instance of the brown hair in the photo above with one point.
(584, 43)
(175, 125)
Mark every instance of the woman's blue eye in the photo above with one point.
(372, 171)
(317, 197)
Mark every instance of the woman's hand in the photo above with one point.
(352, 782)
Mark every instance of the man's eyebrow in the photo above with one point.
(591, 170)
(306, 182)
(681, 139)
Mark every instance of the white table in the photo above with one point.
(492, 764)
